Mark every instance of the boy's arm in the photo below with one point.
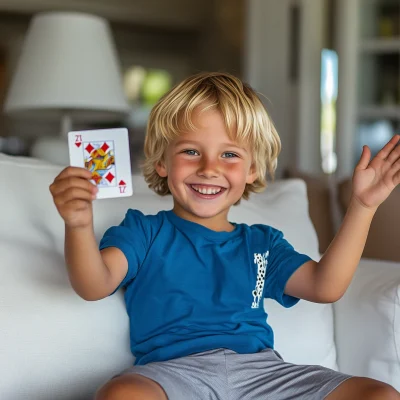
(93, 274)
(327, 280)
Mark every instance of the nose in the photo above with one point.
(208, 168)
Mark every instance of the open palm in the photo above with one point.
(374, 180)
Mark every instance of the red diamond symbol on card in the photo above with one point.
(78, 144)
(110, 177)
(105, 147)
(89, 148)
(121, 183)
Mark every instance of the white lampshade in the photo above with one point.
(68, 66)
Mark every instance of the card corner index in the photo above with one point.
(71, 134)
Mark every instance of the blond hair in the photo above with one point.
(245, 117)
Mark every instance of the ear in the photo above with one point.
(251, 175)
(161, 169)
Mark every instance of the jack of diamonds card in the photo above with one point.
(105, 153)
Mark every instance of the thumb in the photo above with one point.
(364, 159)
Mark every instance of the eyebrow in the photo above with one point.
(191, 142)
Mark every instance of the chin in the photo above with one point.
(206, 213)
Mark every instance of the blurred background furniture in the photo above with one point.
(68, 71)
(155, 41)
(275, 46)
(368, 42)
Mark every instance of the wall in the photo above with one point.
(347, 25)
(293, 104)
(265, 66)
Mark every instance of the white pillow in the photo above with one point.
(367, 322)
(65, 347)
(60, 345)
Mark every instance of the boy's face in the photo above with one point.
(207, 172)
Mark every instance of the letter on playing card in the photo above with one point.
(78, 140)
(122, 186)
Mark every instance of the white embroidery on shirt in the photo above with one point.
(261, 261)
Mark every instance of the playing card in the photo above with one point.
(104, 152)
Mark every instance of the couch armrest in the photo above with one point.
(367, 323)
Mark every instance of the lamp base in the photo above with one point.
(53, 150)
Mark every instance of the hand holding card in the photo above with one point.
(105, 153)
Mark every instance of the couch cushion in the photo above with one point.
(65, 347)
(367, 322)
(61, 346)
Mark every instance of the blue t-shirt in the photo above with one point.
(190, 289)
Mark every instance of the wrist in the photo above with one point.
(78, 229)
(356, 205)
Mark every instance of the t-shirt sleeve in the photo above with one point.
(131, 236)
(282, 261)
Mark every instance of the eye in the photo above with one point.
(190, 152)
(228, 154)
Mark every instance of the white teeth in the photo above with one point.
(204, 190)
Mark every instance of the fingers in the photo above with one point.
(74, 172)
(68, 183)
(74, 194)
(390, 151)
(364, 159)
(394, 153)
(73, 184)
(389, 154)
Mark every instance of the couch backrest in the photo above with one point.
(384, 233)
(64, 347)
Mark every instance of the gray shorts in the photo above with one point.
(222, 374)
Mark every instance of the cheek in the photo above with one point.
(180, 167)
(239, 177)
(236, 171)
(188, 163)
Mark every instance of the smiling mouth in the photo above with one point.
(207, 190)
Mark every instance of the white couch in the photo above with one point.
(54, 345)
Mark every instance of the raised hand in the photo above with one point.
(73, 194)
(374, 180)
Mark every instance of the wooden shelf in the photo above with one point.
(379, 112)
(381, 45)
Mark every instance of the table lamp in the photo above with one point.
(68, 70)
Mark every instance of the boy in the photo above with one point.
(197, 329)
